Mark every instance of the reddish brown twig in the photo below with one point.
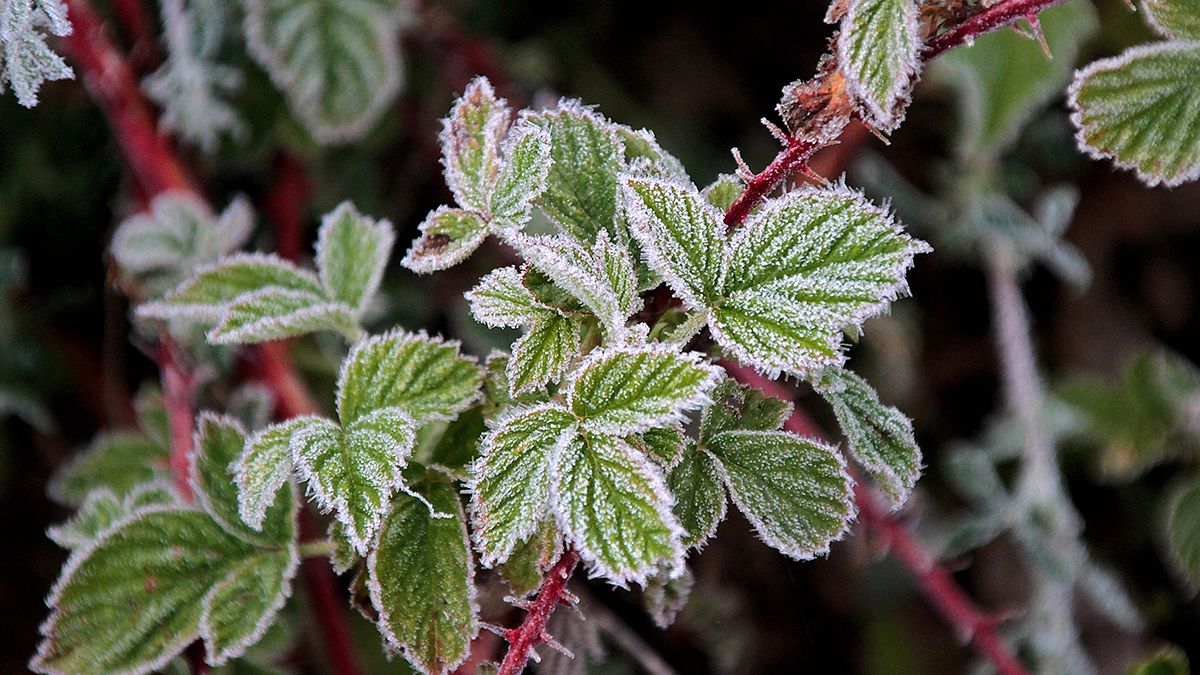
(532, 631)
(284, 205)
(971, 623)
(177, 398)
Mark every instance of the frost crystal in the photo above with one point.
(27, 59)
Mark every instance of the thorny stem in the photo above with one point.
(971, 623)
(532, 631)
(157, 169)
(796, 153)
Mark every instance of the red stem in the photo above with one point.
(328, 606)
(971, 623)
(993, 18)
(532, 631)
(177, 398)
(786, 163)
(284, 205)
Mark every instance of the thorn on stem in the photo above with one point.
(743, 169)
(776, 132)
(807, 171)
(556, 645)
(1035, 33)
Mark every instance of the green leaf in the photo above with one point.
(1141, 109)
(426, 378)
(723, 192)
(421, 580)
(352, 253)
(881, 437)
(354, 471)
(878, 52)
(276, 313)
(448, 237)
(545, 353)
(737, 407)
(1173, 19)
(804, 269)
(662, 444)
(581, 194)
(458, 445)
(500, 300)
(522, 176)
(471, 137)
(1169, 660)
(665, 596)
(532, 559)
(263, 467)
(627, 391)
(1183, 530)
(700, 505)
(682, 235)
(99, 511)
(498, 395)
(993, 105)
(613, 506)
(510, 482)
(205, 296)
(118, 461)
(646, 157)
(795, 491)
(338, 61)
(166, 575)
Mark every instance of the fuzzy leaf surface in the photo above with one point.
(1141, 109)
(352, 253)
(1173, 19)
(471, 137)
(421, 580)
(205, 296)
(118, 461)
(276, 313)
(263, 467)
(544, 353)
(521, 178)
(581, 188)
(878, 51)
(795, 491)
(500, 300)
(881, 437)
(697, 483)
(448, 236)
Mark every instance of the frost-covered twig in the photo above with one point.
(970, 622)
(999, 15)
(532, 631)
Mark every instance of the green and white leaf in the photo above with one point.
(795, 491)
(118, 461)
(879, 53)
(27, 61)
(500, 300)
(448, 237)
(662, 444)
(205, 296)
(613, 506)
(627, 391)
(545, 353)
(522, 176)
(276, 313)
(471, 137)
(532, 559)
(510, 482)
(810, 265)
(737, 407)
(1141, 109)
(421, 580)
(352, 254)
(1173, 19)
(99, 511)
(700, 504)
(881, 437)
(993, 105)
(1183, 530)
(665, 597)
(263, 467)
(338, 61)
(426, 378)
(645, 157)
(354, 471)
(723, 192)
(682, 236)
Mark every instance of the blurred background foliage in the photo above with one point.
(1109, 269)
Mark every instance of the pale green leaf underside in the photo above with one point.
(204, 296)
(276, 313)
(522, 176)
(795, 491)
(878, 52)
(1142, 110)
(421, 580)
(338, 61)
(881, 437)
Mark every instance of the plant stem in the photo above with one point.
(315, 548)
(971, 623)
(532, 631)
(177, 397)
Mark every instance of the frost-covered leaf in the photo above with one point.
(878, 52)
(275, 313)
(458, 445)
(263, 467)
(338, 61)
(1183, 530)
(99, 511)
(795, 491)
(532, 559)
(448, 236)
(497, 392)
(354, 470)
(993, 105)
(1173, 19)
(581, 188)
(191, 86)
(500, 300)
(521, 178)
(682, 235)
(545, 353)
(646, 157)
(118, 461)
(808, 266)
(700, 504)
(166, 575)
(723, 192)
(881, 437)
(510, 482)
(665, 597)
(421, 580)
(613, 506)
(205, 296)
(177, 236)
(426, 378)
(599, 275)
(737, 407)
(626, 391)
(471, 137)
(352, 253)
(662, 444)
(1142, 110)
(27, 60)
